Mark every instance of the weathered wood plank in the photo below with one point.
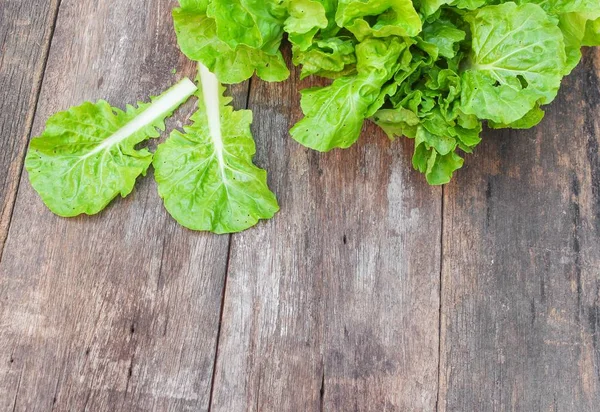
(521, 271)
(25, 34)
(333, 304)
(119, 311)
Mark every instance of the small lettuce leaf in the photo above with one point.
(87, 155)
(435, 157)
(334, 115)
(573, 28)
(397, 122)
(558, 7)
(531, 119)
(470, 4)
(592, 33)
(198, 40)
(429, 7)
(306, 18)
(206, 176)
(394, 18)
(578, 30)
(254, 23)
(517, 61)
(445, 36)
(331, 58)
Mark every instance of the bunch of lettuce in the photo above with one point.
(431, 70)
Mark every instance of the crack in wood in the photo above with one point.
(14, 407)
(60, 376)
(440, 293)
(222, 309)
(592, 98)
(160, 279)
(576, 222)
(88, 396)
(129, 378)
(322, 391)
(258, 390)
(55, 396)
(594, 321)
(129, 375)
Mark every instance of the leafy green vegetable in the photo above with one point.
(430, 7)
(391, 18)
(558, 7)
(579, 29)
(335, 114)
(331, 58)
(206, 175)
(517, 60)
(592, 32)
(87, 155)
(255, 23)
(232, 60)
(306, 18)
(445, 36)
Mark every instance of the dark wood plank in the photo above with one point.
(333, 304)
(117, 312)
(25, 34)
(521, 271)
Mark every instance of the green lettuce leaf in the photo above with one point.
(198, 40)
(435, 157)
(254, 23)
(531, 119)
(573, 28)
(306, 18)
(470, 4)
(334, 115)
(331, 58)
(397, 122)
(517, 61)
(579, 29)
(393, 18)
(206, 176)
(87, 155)
(445, 36)
(429, 7)
(558, 7)
(592, 33)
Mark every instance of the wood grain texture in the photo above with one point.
(117, 312)
(521, 266)
(334, 304)
(26, 27)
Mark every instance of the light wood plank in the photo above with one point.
(521, 278)
(117, 312)
(25, 32)
(333, 304)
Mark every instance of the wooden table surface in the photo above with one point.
(370, 291)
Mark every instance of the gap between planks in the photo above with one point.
(441, 290)
(224, 291)
(40, 77)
